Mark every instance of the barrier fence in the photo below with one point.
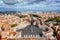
(32, 39)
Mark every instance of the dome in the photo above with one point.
(31, 30)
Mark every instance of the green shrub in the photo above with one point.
(22, 16)
(13, 25)
(56, 19)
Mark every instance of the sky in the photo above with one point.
(30, 5)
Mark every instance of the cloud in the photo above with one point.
(1, 3)
(31, 4)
